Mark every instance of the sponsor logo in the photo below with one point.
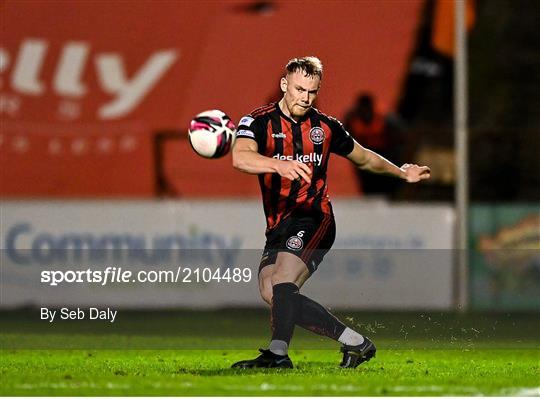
(295, 243)
(245, 133)
(279, 135)
(316, 135)
(126, 90)
(313, 158)
(246, 121)
(25, 245)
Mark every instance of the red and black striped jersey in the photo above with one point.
(310, 141)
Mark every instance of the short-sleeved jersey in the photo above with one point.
(310, 141)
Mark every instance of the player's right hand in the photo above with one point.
(294, 170)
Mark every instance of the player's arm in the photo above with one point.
(366, 159)
(247, 159)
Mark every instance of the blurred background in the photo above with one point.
(96, 97)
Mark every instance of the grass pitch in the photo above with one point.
(185, 353)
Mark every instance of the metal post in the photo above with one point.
(461, 140)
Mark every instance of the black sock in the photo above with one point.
(285, 306)
(314, 317)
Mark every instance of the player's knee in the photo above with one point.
(289, 269)
(278, 278)
(285, 276)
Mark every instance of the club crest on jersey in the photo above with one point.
(295, 243)
(316, 135)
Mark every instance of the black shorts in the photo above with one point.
(307, 236)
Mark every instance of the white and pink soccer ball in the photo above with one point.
(211, 134)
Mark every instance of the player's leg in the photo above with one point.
(288, 274)
(281, 275)
(266, 276)
(313, 316)
(307, 240)
(278, 285)
(316, 318)
(307, 314)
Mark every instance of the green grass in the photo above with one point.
(176, 353)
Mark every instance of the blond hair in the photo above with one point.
(311, 66)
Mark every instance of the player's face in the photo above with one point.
(300, 93)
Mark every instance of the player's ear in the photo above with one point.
(283, 84)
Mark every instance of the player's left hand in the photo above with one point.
(415, 173)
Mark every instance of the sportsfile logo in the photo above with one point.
(27, 63)
(312, 158)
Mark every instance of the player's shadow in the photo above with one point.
(298, 369)
(229, 371)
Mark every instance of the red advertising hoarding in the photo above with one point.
(85, 86)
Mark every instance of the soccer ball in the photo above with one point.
(211, 134)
